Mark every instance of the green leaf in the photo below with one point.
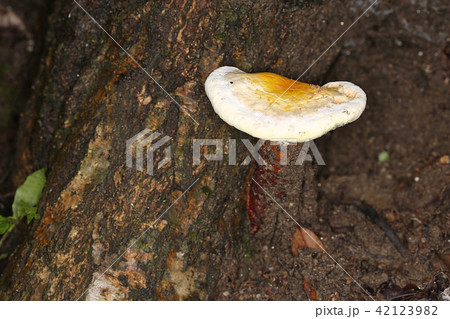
(28, 194)
(32, 214)
(23, 209)
(6, 223)
(383, 156)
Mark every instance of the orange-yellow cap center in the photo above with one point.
(283, 93)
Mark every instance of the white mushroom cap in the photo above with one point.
(272, 107)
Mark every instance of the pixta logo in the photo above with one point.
(142, 142)
(144, 145)
(303, 156)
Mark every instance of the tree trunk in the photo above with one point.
(90, 97)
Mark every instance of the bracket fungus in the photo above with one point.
(272, 107)
(281, 111)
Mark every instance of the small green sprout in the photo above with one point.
(383, 156)
(25, 203)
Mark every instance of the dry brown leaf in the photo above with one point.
(310, 291)
(304, 237)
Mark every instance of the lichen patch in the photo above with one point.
(92, 170)
(184, 281)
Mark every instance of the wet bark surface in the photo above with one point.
(89, 97)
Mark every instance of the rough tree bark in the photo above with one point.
(90, 97)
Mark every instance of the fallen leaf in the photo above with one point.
(269, 293)
(310, 291)
(304, 237)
